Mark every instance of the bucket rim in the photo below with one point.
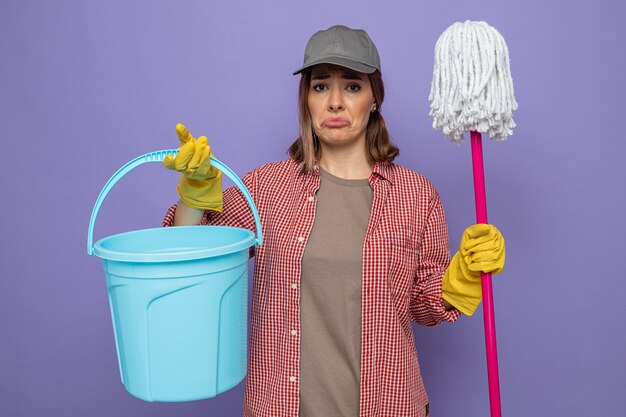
(104, 253)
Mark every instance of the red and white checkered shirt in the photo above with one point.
(405, 254)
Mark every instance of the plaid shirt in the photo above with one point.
(405, 254)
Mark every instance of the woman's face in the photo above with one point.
(340, 102)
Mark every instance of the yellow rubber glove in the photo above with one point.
(482, 249)
(200, 184)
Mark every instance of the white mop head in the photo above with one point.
(472, 88)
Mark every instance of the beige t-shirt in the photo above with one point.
(330, 299)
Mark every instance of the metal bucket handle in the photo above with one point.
(158, 156)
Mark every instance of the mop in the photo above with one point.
(472, 90)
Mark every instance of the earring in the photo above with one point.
(374, 108)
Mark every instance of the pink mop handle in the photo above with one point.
(488, 314)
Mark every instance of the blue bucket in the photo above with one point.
(179, 301)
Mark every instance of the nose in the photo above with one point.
(335, 100)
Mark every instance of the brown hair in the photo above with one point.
(306, 148)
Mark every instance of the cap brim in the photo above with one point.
(342, 62)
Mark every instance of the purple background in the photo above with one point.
(87, 86)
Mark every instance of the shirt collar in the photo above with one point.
(382, 170)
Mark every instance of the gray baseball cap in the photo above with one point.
(340, 45)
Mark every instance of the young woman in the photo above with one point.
(355, 248)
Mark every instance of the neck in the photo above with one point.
(347, 162)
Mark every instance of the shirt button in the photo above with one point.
(294, 286)
(292, 379)
(293, 332)
(311, 198)
(300, 239)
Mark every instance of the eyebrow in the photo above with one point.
(344, 75)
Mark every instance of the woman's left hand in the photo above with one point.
(482, 250)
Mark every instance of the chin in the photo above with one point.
(336, 140)
(335, 137)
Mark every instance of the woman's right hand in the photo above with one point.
(200, 184)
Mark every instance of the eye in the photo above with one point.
(319, 87)
(354, 88)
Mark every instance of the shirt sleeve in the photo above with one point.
(426, 306)
(235, 210)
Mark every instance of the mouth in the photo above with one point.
(335, 122)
